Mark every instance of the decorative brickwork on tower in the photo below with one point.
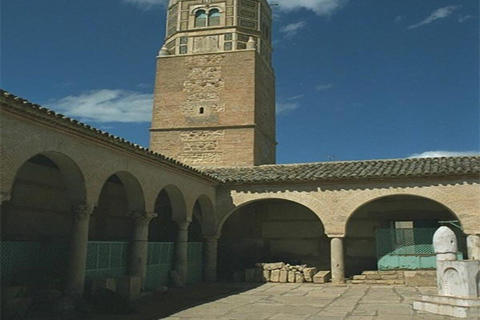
(214, 99)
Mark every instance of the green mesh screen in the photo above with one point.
(159, 264)
(195, 262)
(405, 241)
(106, 259)
(408, 249)
(30, 263)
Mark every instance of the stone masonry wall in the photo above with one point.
(204, 110)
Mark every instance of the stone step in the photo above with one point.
(359, 277)
(386, 272)
(446, 309)
(358, 281)
(379, 282)
(387, 282)
(384, 277)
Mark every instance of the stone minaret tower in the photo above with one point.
(214, 99)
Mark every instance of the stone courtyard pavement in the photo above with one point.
(284, 302)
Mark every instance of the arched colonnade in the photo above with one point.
(63, 194)
(54, 197)
(350, 225)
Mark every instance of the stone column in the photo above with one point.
(473, 245)
(75, 281)
(337, 263)
(139, 244)
(210, 259)
(181, 251)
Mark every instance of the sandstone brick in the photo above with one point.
(283, 278)
(275, 276)
(322, 277)
(309, 273)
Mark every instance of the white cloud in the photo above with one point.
(323, 87)
(285, 107)
(320, 7)
(106, 106)
(434, 154)
(295, 97)
(435, 15)
(147, 4)
(293, 28)
(462, 19)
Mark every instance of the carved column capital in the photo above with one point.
(142, 217)
(82, 211)
(5, 196)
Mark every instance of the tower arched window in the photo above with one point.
(213, 18)
(200, 19)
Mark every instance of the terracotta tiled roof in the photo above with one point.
(18, 104)
(349, 170)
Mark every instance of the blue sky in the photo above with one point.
(358, 79)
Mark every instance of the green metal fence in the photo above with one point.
(28, 263)
(405, 248)
(106, 259)
(195, 262)
(159, 264)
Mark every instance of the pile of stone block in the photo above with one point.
(283, 273)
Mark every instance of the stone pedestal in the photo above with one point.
(337, 263)
(457, 281)
(75, 281)
(210, 256)
(181, 251)
(139, 244)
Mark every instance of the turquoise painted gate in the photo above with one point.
(195, 262)
(409, 249)
(106, 259)
(29, 263)
(159, 264)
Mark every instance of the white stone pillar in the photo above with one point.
(210, 259)
(181, 251)
(337, 261)
(75, 282)
(139, 244)
(473, 245)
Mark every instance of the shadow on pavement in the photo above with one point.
(160, 305)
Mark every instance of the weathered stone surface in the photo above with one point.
(421, 278)
(283, 276)
(291, 276)
(273, 266)
(445, 244)
(309, 273)
(275, 276)
(266, 275)
(322, 277)
(299, 278)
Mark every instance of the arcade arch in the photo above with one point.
(406, 212)
(272, 230)
(37, 221)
